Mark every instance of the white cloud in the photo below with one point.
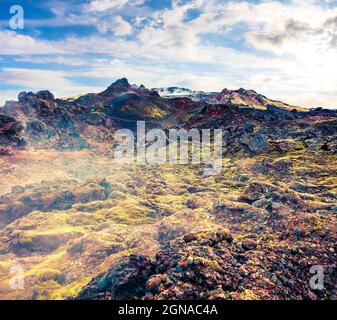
(103, 5)
(58, 82)
(301, 46)
(160, 75)
(121, 27)
(297, 90)
(53, 59)
(7, 95)
(118, 26)
(35, 78)
(12, 43)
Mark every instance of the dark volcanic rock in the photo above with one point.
(258, 144)
(11, 133)
(208, 266)
(118, 87)
(124, 281)
(249, 244)
(46, 123)
(48, 196)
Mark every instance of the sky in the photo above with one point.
(283, 49)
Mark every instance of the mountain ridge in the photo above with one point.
(89, 119)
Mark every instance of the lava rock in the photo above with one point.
(249, 244)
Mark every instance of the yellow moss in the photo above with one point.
(68, 291)
(208, 263)
(249, 295)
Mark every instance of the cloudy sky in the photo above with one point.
(285, 49)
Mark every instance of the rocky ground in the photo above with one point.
(82, 226)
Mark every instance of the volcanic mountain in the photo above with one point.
(241, 97)
(40, 120)
(125, 102)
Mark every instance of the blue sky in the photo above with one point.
(283, 49)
